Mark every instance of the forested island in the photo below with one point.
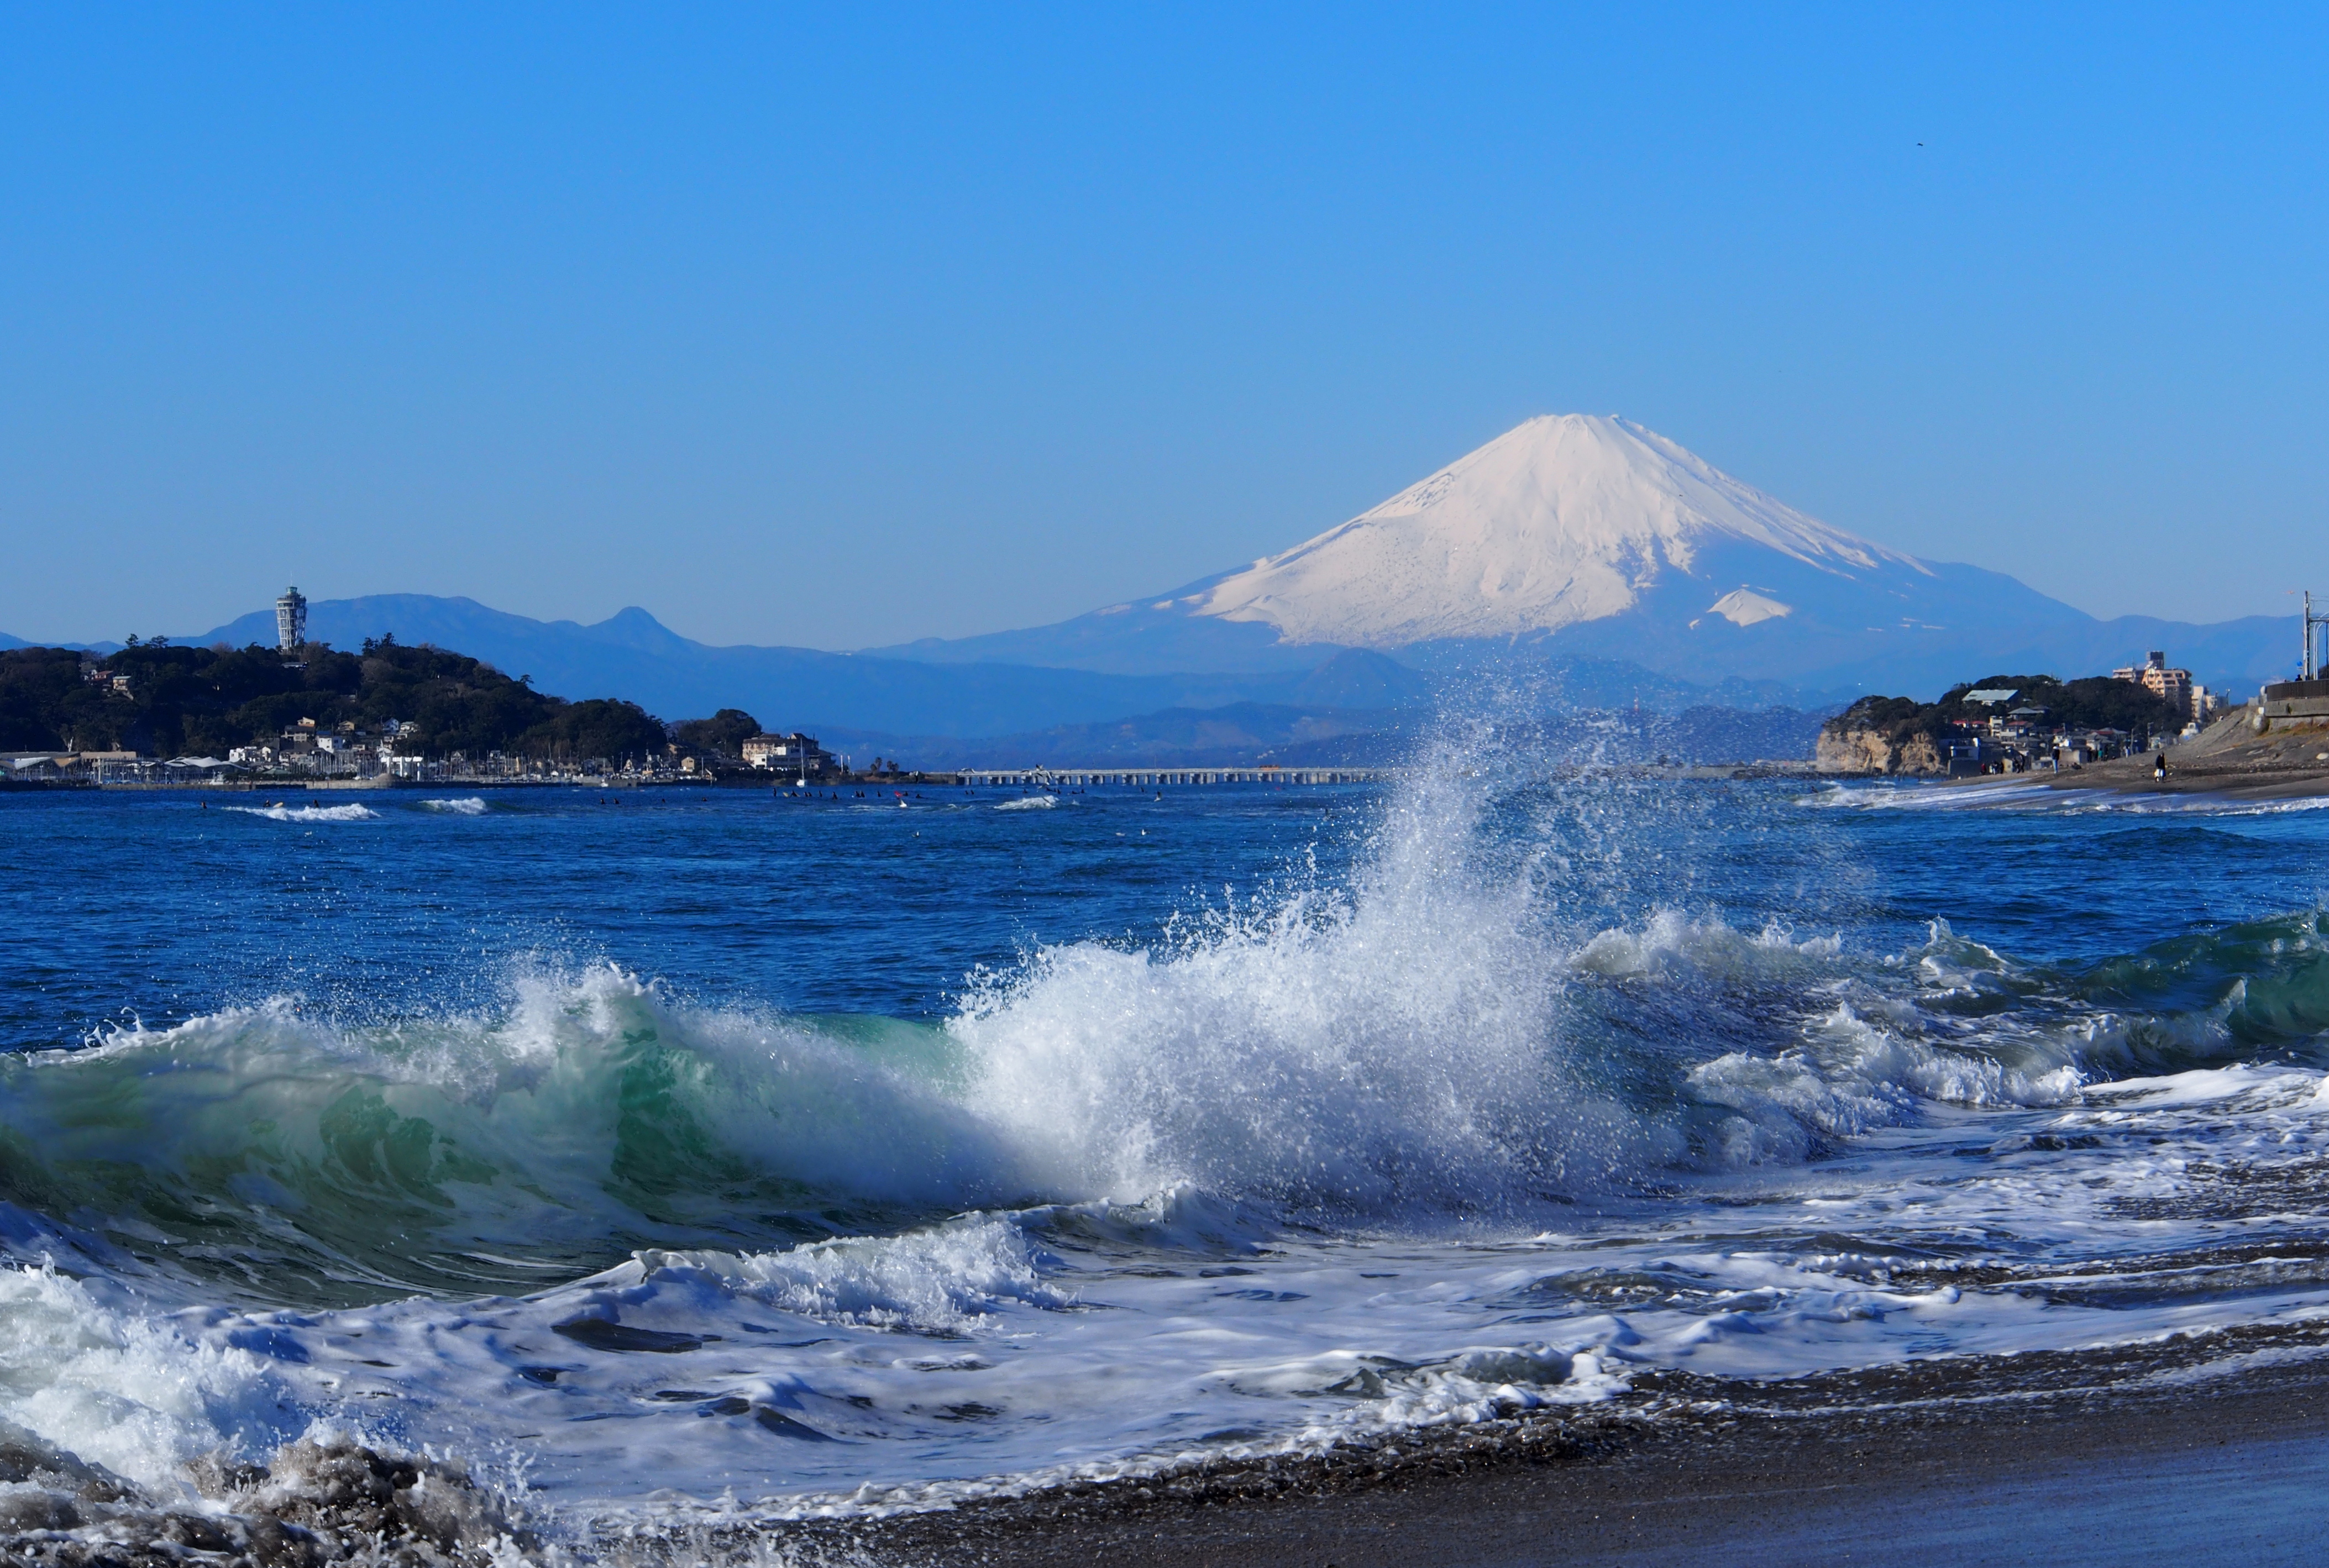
(163, 700)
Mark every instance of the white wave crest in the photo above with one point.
(1919, 795)
(949, 1278)
(2024, 794)
(463, 806)
(310, 813)
(1671, 942)
(1394, 1046)
(1850, 1076)
(1029, 803)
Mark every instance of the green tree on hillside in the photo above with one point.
(722, 735)
(2089, 702)
(210, 699)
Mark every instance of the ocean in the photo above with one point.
(681, 1158)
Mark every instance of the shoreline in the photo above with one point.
(2288, 763)
(2133, 776)
(1993, 1459)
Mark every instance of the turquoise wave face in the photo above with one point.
(1342, 1061)
(1503, 1085)
(2252, 990)
(1471, 1000)
(292, 1161)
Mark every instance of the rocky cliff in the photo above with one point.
(1858, 749)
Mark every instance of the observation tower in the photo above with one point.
(290, 619)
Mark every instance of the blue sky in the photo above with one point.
(839, 329)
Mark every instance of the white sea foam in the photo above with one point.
(2020, 793)
(461, 806)
(1392, 1046)
(1671, 943)
(127, 1390)
(1330, 1164)
(994, 1352)
(950, 1278)
(310, 813)
(1850, 1076)
(1029, 803)
(1918, 796)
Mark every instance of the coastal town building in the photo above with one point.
(795, 753)
(2175, 685)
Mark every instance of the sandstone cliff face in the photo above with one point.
(1859, 750)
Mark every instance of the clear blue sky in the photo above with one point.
(843, 326)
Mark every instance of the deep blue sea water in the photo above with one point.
(165, 905)
(160, 906)
(665, 1152)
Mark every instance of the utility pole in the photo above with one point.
(2309, 666)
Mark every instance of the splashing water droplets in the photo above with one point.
(1394, 1046)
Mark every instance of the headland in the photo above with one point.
(2273, 747)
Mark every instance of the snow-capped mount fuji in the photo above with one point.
(1565, 519)
(1591, 537)
(1612, 566)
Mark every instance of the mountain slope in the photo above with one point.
(632, 655)
(1578, 536)
(1565, 519)
(1585, 561)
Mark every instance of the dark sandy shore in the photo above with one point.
(2235, 777)
(2188, 1451)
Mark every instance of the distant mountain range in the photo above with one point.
(892, 702)
(1581, 537)
(1577, 562)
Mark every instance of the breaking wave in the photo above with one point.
(1389, 1048)
(977, 1243)
(1426, 1038)
(310, 813)
(303, 1160)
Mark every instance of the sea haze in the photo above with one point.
(673, 1155)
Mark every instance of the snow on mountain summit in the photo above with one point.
(1564, 519)
(1577, 545)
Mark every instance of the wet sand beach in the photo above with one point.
(2213, 1448)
